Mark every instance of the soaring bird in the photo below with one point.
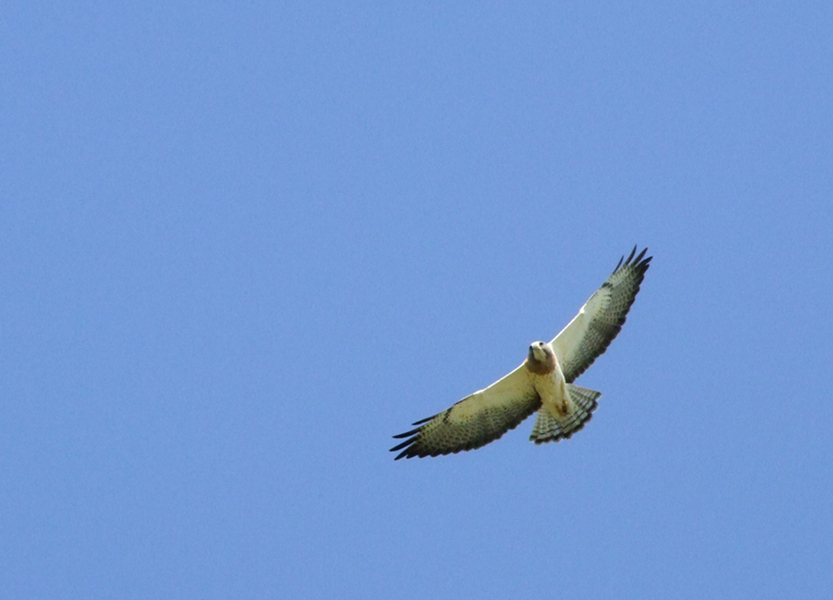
(542, 383)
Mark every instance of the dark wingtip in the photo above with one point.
(641, 255)
(399, 436)
(404, 444)
(638, 261)
(408, 451)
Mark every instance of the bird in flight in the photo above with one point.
(542, 383)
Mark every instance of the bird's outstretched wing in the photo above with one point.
(601, 318)
(475, 420)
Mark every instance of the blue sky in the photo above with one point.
(243, 245)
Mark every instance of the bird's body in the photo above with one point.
(542, 383)
(547, 379)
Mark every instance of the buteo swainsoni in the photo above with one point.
(543, 382)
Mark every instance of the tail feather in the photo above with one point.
(548, 428)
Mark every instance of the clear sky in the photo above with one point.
(243, 244)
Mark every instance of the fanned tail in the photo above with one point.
(551, 429)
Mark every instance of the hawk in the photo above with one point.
(542, 383)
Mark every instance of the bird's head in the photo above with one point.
(538, 351)
(541, 358)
